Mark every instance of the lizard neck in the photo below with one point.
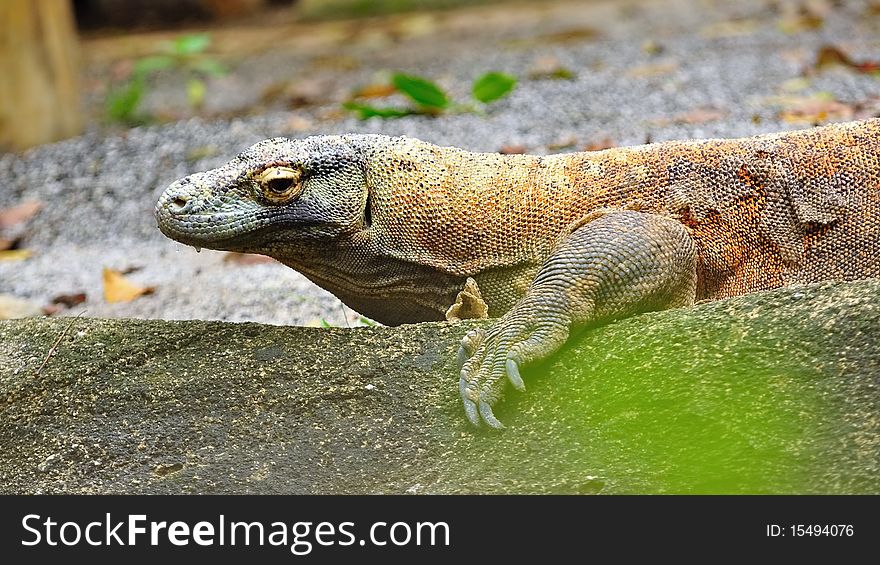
(463, 212)
(385, 289)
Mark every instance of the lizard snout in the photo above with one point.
(174, 208)
(178, 198)
(179, 202)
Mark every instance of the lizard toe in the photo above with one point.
(468, 397)
(481, 383)
(469, 344)
(513, 375)
(491, 359)
(488, 417)
(484, 375)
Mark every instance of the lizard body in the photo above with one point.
(400, 229)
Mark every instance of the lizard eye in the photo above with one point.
(280, 184)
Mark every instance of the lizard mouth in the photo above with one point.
(224, 232)
(256, 232)
(177, 220)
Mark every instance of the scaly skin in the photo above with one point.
(404, 231)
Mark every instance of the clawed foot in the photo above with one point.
(490, 358)
(610, 266)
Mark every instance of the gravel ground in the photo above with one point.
(654, 71)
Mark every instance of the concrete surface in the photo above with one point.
(775, 392)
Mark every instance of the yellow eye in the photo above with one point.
(280, 184)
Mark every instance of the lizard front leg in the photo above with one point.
(616, 265)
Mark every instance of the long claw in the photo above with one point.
(489, 417)
(513, 375)
(470, 409)
(462, 387)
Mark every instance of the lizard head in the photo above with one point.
(280, 196)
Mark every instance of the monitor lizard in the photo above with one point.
(406, 231)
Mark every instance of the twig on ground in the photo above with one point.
(58, 341)
(344, 315)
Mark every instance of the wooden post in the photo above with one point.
(39, 73)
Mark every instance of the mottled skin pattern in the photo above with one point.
(400, 230)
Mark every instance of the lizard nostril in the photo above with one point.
(178, 203)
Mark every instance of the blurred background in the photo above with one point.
(76, 65)
(73, 65)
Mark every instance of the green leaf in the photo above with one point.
(122, 102)
(492, 86)
(209, 67)
(149, 65)
(365, 111)
(195, 92)
(191, 44)
(420, 90)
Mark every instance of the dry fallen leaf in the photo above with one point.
(62, 302)
(800, 22)
(512, 149)
(816, 110)
(246, 258)
(570, 35)
(13, 307)
(700, 116)
(18, 214)
(829, 56)
(51, 309)
(378, 90)
(119, 289)
(804, 15)
(15, 254)
(600, 144)
(695, 116)
(69, 300)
